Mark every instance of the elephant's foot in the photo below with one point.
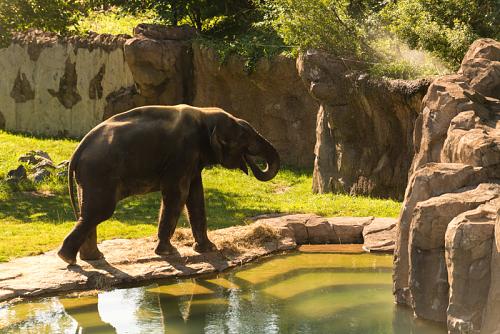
(67, 256)
(91, 255)
(204, 247)
(164, 248)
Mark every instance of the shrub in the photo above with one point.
(446, 28)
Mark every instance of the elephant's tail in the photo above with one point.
(71, 177)
(71, 185)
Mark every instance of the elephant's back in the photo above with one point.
(151, 133)
(156, 113)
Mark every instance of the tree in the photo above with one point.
(322, 24)
(193, 12)
(50, 15)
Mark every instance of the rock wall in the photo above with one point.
(59, 86)
(364, 129)
(446, 258)
(272, 98)
(66, 86)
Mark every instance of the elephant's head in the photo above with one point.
(236, 143)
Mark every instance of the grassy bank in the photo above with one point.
(35, 218)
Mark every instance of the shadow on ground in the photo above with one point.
(223, 208)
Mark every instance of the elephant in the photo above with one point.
(158, 148)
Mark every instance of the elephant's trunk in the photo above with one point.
(262, 148)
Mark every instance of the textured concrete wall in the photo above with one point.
(55, 86)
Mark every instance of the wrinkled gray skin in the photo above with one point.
(158, 148)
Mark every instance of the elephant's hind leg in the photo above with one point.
(89, 250)
(95, 208)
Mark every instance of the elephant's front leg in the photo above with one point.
(173, 201)
(197, 218)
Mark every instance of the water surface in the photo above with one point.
(294, 293)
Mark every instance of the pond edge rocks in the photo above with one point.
(132, 261)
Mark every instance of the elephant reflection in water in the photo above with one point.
(85, 312)
(192, 312)
(182, 312)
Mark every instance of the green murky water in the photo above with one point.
(296, 293)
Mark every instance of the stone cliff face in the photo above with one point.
(364, 141)
(446, 258)
(272, 98)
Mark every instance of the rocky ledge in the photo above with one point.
(446, 265)
(133, 261)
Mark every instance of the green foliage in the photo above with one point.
(446, 28)
(50, 15)
(396, 70)
(320, 24)
(196, 13)
(251, 41)
(398, 61)
(36, 218)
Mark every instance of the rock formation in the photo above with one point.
(271, 97)
(37, 166)
(446, 262)
(160, 60)
(364, 127)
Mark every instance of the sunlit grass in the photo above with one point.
(35, 218)
(114, 21)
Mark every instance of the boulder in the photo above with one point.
(380, 235)
(16, 175)
(319, 231)
(428, 280)
(40, 175)
(162, 32)
(34, 157)
(445, 229)
(297, 223)
(491, 320)
(431, 180)
(481, 66)
(44, 164)
(469, 240)
(349, 230)
(160, 66)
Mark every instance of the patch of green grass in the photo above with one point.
(114, 21)
(35, 218)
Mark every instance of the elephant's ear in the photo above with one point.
(216, 144)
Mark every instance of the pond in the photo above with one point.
(293, 293)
